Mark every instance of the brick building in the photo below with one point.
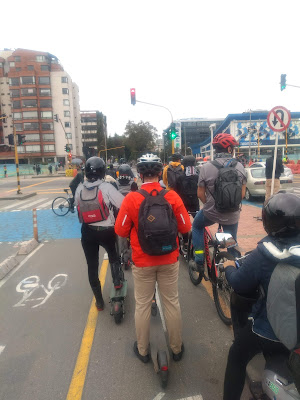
(34, 88)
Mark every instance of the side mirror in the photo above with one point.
(225, 239)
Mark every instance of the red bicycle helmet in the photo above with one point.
(224, 140)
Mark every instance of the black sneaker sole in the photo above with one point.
(144, 359)
(178, 357)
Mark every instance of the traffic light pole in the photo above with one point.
(17, 160)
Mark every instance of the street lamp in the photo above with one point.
(211, 127)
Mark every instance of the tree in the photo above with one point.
(140, 138)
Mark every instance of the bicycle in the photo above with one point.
(62, 205)
(213, 268)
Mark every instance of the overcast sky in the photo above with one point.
(200, 58)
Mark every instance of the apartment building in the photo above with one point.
(41, 101)
(93, 131)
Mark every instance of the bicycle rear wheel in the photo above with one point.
(61, 206)
(195, 276)
(222, 289)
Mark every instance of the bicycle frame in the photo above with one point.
(208, 238)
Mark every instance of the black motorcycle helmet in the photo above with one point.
(124, 174)
(281, 215)
(95, 168)
(189, 161)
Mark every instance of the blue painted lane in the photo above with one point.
(18, 226)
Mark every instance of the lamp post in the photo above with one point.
(211, 127)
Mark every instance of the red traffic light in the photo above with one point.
(132, 96)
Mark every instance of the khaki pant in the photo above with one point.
(166, 277)
(268, 188)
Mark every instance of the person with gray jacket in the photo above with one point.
(97, 202)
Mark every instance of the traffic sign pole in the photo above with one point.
(274, 164)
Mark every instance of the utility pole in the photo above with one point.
(17, 160)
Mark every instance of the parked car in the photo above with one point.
(256, 180)
(287, 171)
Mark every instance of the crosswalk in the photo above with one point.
(42, 203)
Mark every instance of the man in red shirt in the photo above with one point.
(149, 269)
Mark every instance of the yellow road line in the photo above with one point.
(40, 192)
(80, 370)
(35, 184)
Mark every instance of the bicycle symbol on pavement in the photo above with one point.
(31, 285)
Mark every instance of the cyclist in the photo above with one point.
(148, 269)
(223, 144)
(172, 172)
(187, 184)
(95, 200)
(75, 182)
(125, 179)
(281, 220)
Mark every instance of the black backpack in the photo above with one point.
(188, 190)
(157, 226)
(173, 173)
(228, 187)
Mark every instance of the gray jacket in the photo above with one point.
(111, 197)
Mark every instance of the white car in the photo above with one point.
(287, 171)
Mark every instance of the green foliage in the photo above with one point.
(140, 138)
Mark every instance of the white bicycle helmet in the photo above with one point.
(149, 165)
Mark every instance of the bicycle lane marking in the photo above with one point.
(25, 187)
(79, 374)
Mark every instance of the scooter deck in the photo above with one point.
(118, 294)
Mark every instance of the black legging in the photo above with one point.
(91, 240)
(245, 346)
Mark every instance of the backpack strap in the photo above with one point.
(297, 291)
(147, 194)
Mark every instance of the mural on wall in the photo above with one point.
(261, 130)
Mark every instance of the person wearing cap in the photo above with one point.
(172, 171)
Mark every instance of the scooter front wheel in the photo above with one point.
(118, 312)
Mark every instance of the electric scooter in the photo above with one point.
(158, 341)
(117, 296)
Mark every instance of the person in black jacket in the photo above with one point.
(278, 171)
(281, 219)
(79, 178)
(187, 184)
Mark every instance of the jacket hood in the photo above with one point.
(175, 163)
(90, 185)
(285, 250)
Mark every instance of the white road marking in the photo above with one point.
(45, 204)
(16, 204)
(105, 257)
(4, 280)
(32, 203)
(1, 349)
(198, 397)
(159, 396)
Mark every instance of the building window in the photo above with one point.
(49, 148)
(28, 92)
(45, 92)
(45, 68)
(16, 104)
(69, 136)
(66, 113)
(21, 149)
(18, 127)
(30, 67)
(29, 103)
(46, 114)
(32, 137)
(15, 93)
(17, 115)
(1, 65)
(18, 69)
(44, 80)
(40, 58)
(46, 103)
(31, 126)
(12, 64)
(17, 58)
(65, 91)
(32, 149)
(67, 124)
(48, 137)
(14, 81)
(47, 126)
(66, 102)
(30, 114)
(64, 79)
(27, 80)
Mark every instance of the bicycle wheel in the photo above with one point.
(195, 276)
(61, 206)
(222, 289)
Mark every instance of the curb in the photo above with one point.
(12, 261)
(18, 196)
(48, 176)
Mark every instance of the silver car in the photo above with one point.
(287, 171)
(256, 180)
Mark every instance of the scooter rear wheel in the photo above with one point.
(118, 312)
(162, 360)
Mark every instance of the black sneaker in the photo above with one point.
(178, 357)
(100, 305)
(200, 268)
(145, 358)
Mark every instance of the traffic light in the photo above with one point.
(67, 148)
(70, 156)
(21, 139)
(11, 139)
(3, 118)
(283, 82)
(132, 96)
(173, 134)
(56, 117)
